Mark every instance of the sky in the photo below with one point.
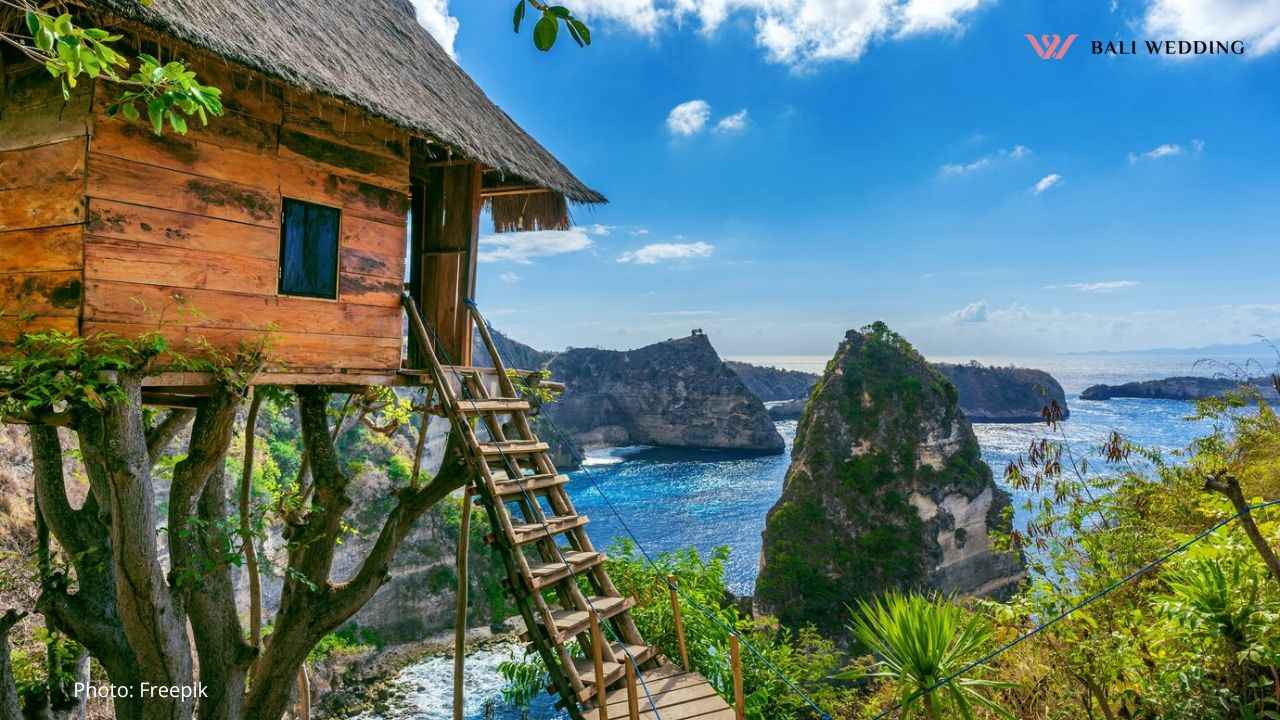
(782, 171)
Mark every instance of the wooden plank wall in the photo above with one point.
(183, 232)
(43, 142)
(450, 200)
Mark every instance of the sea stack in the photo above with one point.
(886, 490)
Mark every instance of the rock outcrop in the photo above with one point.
(886, 489)
(676, 393)
(1004, 394)
(515, 354)
(771, 383)
(1181, 388)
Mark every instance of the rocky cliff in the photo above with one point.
(676, 393)
(987, 394)
(886, 489)
(515, 354)
(1003, 394)
(771, 383)
(1180, 388)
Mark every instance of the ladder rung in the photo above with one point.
(573, 622)
(545, 575)
(528, 483)
(526, 533)
(499, 405)
(612, 671)
(514, 447)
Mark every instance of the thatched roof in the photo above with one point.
(372, 53)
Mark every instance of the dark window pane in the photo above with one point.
(309, 250)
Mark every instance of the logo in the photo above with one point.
(1051, 47)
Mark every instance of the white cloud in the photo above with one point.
(953, 169)
(434, 16)
(523, 247)
(1160, 151)
(976, 312)
(509, 278)
(685, 313)
(1047, 182)
(799, 33)
(1104, 286)
(734, 123)
(598, 229)
(640, 232)
(1256, 22)
(1017, 152)
(688, 118)
(662, 252)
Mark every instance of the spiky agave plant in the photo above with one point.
(919, 641)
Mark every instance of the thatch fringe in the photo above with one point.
(371, 53)
(529, 211)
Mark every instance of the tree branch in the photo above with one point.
(1229, 486)
(159, 437)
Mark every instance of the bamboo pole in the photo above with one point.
(679, 620)
(597, 655)
(735, 656)
(633, 699)
(460, 620)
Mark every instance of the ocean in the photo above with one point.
(671, 499)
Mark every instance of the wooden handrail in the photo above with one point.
(597, 655)
(735, 657)
(679, 621)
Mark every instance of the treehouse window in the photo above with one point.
(309, 250)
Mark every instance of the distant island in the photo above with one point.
(1181, 388)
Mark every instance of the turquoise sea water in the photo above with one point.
(672, 499)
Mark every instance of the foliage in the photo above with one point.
(168, 93)
(922, 641)
(49, 673)
(547, 28)
(349, 640)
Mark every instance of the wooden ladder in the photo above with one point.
(543, 541)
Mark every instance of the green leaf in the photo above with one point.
(581, 29)
(155, 111)
(45, 39)
(178, 123)
(544, 33)
(519, 17)
(560, 11)
(62, 25)
(130, 111)
(33, 23)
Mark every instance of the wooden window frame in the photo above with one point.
(337, 257)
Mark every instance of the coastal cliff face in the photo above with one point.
(676, 393)
(1003, 394)
(771, 384)
(886, 489)
(1181, 388)
(987, 394)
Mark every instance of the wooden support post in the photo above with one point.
(597, 654)
(460, 620)
(735, 656)
(679, 620)
(633, 699)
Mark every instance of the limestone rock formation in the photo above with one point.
(1004, 394)
(771, 383)
(886, 489)
(676, 393)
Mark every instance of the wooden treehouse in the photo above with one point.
(335, 208)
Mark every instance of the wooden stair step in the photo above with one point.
(528, 484)
(613, 672)
(495, 405)
(573, 622)
(674, 692)
(525, 533)
(512, 447)
(545, 575)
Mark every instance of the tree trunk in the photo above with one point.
(152, 617)
(10, 709)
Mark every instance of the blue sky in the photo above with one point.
(783, 170)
